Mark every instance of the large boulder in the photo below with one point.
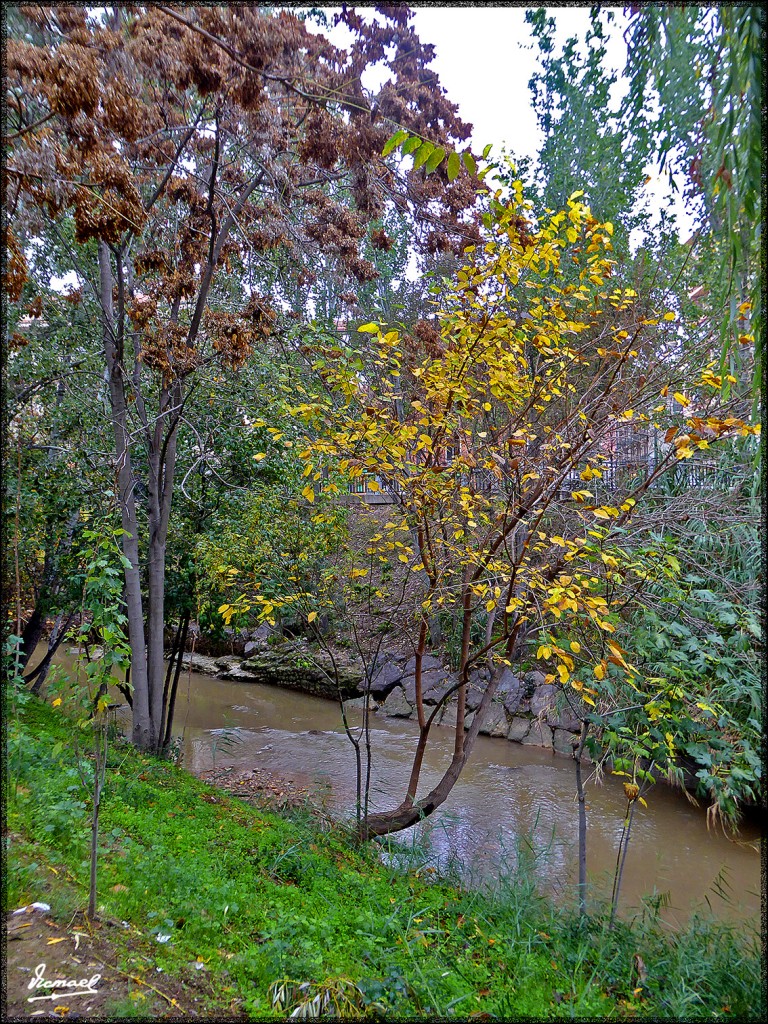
(563, 741)
(519, 729)
(357, 704)
(543, 698)
(428, 661)
(435, 684)
(387, 674)
(550, 702)
(511, 691)
(448, 718)
(496, 723)
(563, 718)
(539, 735)
(396, 705)
(298, 668)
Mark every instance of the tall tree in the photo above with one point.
(191, 146)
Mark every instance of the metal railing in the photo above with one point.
(615, 474)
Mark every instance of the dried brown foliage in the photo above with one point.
(211, 159)
(208, 137)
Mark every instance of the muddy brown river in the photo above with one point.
(509, 798)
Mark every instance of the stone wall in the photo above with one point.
(525, 709)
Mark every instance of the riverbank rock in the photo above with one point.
(396, 705)
(563, 741)
(448, 717)
(518, 729)
(228, 662)
(298, 668)
(201, 663)
(496, 723)
(357, 704)
(510, 691)
(385, 678)
(539, 735)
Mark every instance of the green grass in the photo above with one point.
(264, 898)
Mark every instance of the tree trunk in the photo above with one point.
(32, 632)
(142, 734)
(410, 812)
(40, 672)
(578, 752)
(170, 703)
(101, 740)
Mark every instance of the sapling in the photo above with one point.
(101, 619)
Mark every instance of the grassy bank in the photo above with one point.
(197, 877)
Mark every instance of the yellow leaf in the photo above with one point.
(259, 456)
(599, 671)
(563, 672)
(575, 646)
(368, 329)
(679, 397)
(57, 702)
(309, 494)
(312, 616)
(544, 652)
(669, 316)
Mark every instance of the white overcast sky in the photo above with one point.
(485, 57)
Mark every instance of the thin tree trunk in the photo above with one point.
(622, 856)
(578, 752)
(101, 739)
(142, 724)
(408, 814)
(175, 653)
(170, 707)
(40, 672)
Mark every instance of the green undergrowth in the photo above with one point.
(283, 906)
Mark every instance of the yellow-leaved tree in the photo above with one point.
(515, 441)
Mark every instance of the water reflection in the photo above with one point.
(510, 798)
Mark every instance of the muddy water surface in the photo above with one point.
(507, 797)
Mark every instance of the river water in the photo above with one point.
(509, 797)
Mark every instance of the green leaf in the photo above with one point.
(394, 142)
(368, 329)
(469, 162)
(424, 152)
(454, 166)
(411, 145)
(435, 160)
(487, 150)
